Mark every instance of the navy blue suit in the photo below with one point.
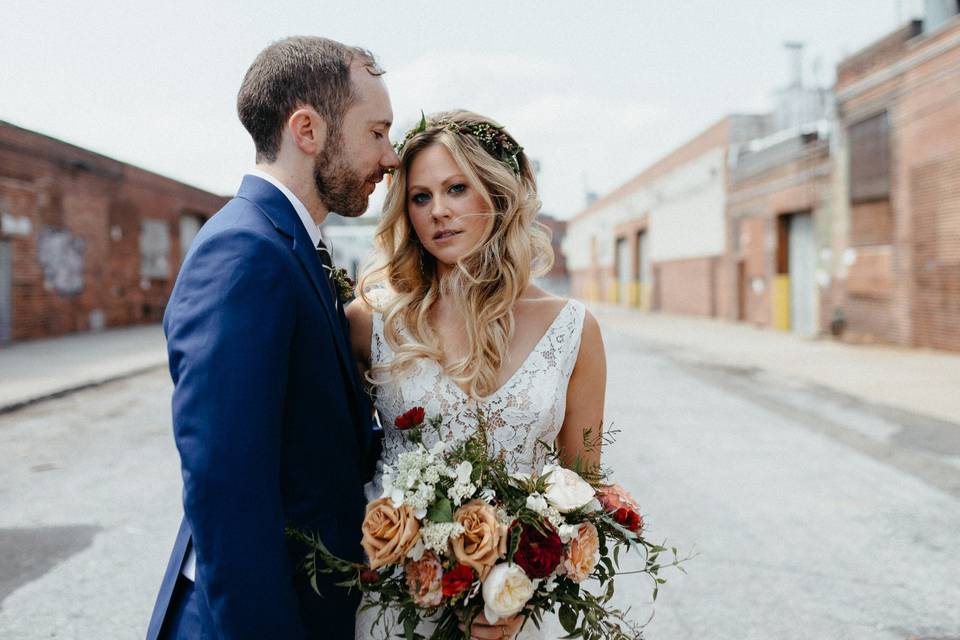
(272, 426)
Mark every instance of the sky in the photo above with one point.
(594, 91)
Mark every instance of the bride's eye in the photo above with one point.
(420, 198)
(458, 188)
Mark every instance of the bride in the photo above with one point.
(450, 320)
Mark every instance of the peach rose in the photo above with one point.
(582, 553)
(621, 506)
(388, 532)
(424, 580)
(484, 539)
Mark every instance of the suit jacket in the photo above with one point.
(271, 422)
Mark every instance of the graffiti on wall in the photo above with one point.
(61, 255)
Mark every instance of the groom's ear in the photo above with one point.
(308, 130)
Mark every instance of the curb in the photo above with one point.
(16, 405)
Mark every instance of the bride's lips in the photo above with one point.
(445, 234)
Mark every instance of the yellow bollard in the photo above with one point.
(781, 302)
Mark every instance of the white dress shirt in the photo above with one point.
(313, 230)
(189, 568)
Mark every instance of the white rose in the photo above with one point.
(506, 590)
(567, 491)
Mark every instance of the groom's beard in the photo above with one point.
(341, 189)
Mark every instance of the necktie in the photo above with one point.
(324, 255)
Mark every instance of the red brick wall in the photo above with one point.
(86, 199)
(905, 284)
(877, 55)
(935, 190)
(558, 229)
(686, 286)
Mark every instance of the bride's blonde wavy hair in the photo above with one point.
(485, 283)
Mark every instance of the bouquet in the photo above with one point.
(455, 534)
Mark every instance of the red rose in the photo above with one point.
(369, 576)
(457, 580)
(621, 506)
(628, 519)
(539, 552)
(410, 419)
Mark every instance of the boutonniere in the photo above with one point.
(345, 284)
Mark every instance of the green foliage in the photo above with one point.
(583, 613)
(441, 510)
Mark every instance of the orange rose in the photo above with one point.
(484, 539)
(583, 553)
(388, 532)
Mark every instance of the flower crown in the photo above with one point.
(492, 138)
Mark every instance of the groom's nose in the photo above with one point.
(390, 159)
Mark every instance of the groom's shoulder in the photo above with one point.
(236, 229)
(238, 217)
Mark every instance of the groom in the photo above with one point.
(269, 416)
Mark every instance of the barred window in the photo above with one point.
(870, 159)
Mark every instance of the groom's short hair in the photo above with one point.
(297, 71)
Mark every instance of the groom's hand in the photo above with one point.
(504, 629)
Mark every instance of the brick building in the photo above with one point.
(897, 229)
(557, 281)
(780, 231)
(86, 242)
(658, 241)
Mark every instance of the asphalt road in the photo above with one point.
(811, 515)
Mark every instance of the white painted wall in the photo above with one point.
(688, 221)
(686, 209)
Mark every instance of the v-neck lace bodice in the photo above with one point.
(528, 408)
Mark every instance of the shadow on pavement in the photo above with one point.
(27, 554)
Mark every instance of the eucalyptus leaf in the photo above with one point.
(568, 618)
(440, 511)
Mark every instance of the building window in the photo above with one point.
(155, 250)
(189, 227)
(870, 159)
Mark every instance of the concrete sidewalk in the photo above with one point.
(39, 369)
(923, 382)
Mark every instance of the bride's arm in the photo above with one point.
(585, 396)
(360, 317)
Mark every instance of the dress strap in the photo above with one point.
(573, 333)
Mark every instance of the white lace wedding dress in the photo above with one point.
(526, 409)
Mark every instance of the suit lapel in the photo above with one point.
(275, 206)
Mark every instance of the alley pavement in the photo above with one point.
(816, 484)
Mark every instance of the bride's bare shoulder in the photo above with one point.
(542, 306)
(541, 303)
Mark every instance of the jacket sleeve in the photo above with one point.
(229, 332)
